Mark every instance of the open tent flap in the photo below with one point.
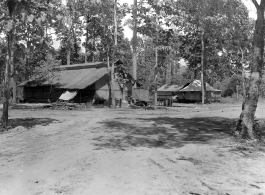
(68, 95)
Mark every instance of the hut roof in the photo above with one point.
(80, 78)
(196, 86)
(168, 87)
(77, 76)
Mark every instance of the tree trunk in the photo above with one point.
(50, 93)
(156, 63)
(202, 70)
(172, 71)
(243, 82)
(134, 45)
(86, 43)
(12, 80)
(237, 92)
(109, 82)
(9, 69)
(252, 92)
(112, 83)
(6, 94)
(85, 55)
(155, 80)
(113, 56)
(122, 92)
(68, 56)
(93, 47)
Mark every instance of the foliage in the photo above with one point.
(18, 17)
(2, 58)
(220, 25)
(75, 57)
(262, 88)
(122, 76)
(68, 27)
(229, 85)
(145, 62)
(124, 54)
(48, 71)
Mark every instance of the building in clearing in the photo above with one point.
(167, 92)
(89, 80)
(192, 93)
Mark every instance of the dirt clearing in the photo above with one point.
(182, 150)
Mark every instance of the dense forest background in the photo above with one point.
(228, 33)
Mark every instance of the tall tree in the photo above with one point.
(113, 98)
(134, 42)
(68, 28)
(202, 20)
(156, 57)
(204, 28)
(256, 66)
(17, 15)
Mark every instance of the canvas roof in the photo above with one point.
(81, 78)
(168, 87)
(84, 65)
(77, 76)
(196, 86)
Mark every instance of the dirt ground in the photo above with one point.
(183, 150)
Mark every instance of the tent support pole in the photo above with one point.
(79, 96)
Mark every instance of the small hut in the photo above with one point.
(166, 93)
(192, 93)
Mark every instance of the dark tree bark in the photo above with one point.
(156, 62)
(202, 70)
(243, 76)
(68, 49)
(252, 92)
(86, 43)
(113, 55)
(9, 70)
(6, 88)
(134, 45)
(109, 81)
(68, 56)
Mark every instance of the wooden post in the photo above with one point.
(80, 96)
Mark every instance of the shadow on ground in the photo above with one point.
(30, 122)
(163, 132)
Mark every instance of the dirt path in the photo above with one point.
(185, 150)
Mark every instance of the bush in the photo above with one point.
(231, 100)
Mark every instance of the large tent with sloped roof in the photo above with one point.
(89, 80)
(167, 91)
(192, 93)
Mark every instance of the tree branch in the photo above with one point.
(262, 4)
(256, 3)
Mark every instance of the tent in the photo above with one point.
(166, 92)
(89, 80)
(192, 93)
